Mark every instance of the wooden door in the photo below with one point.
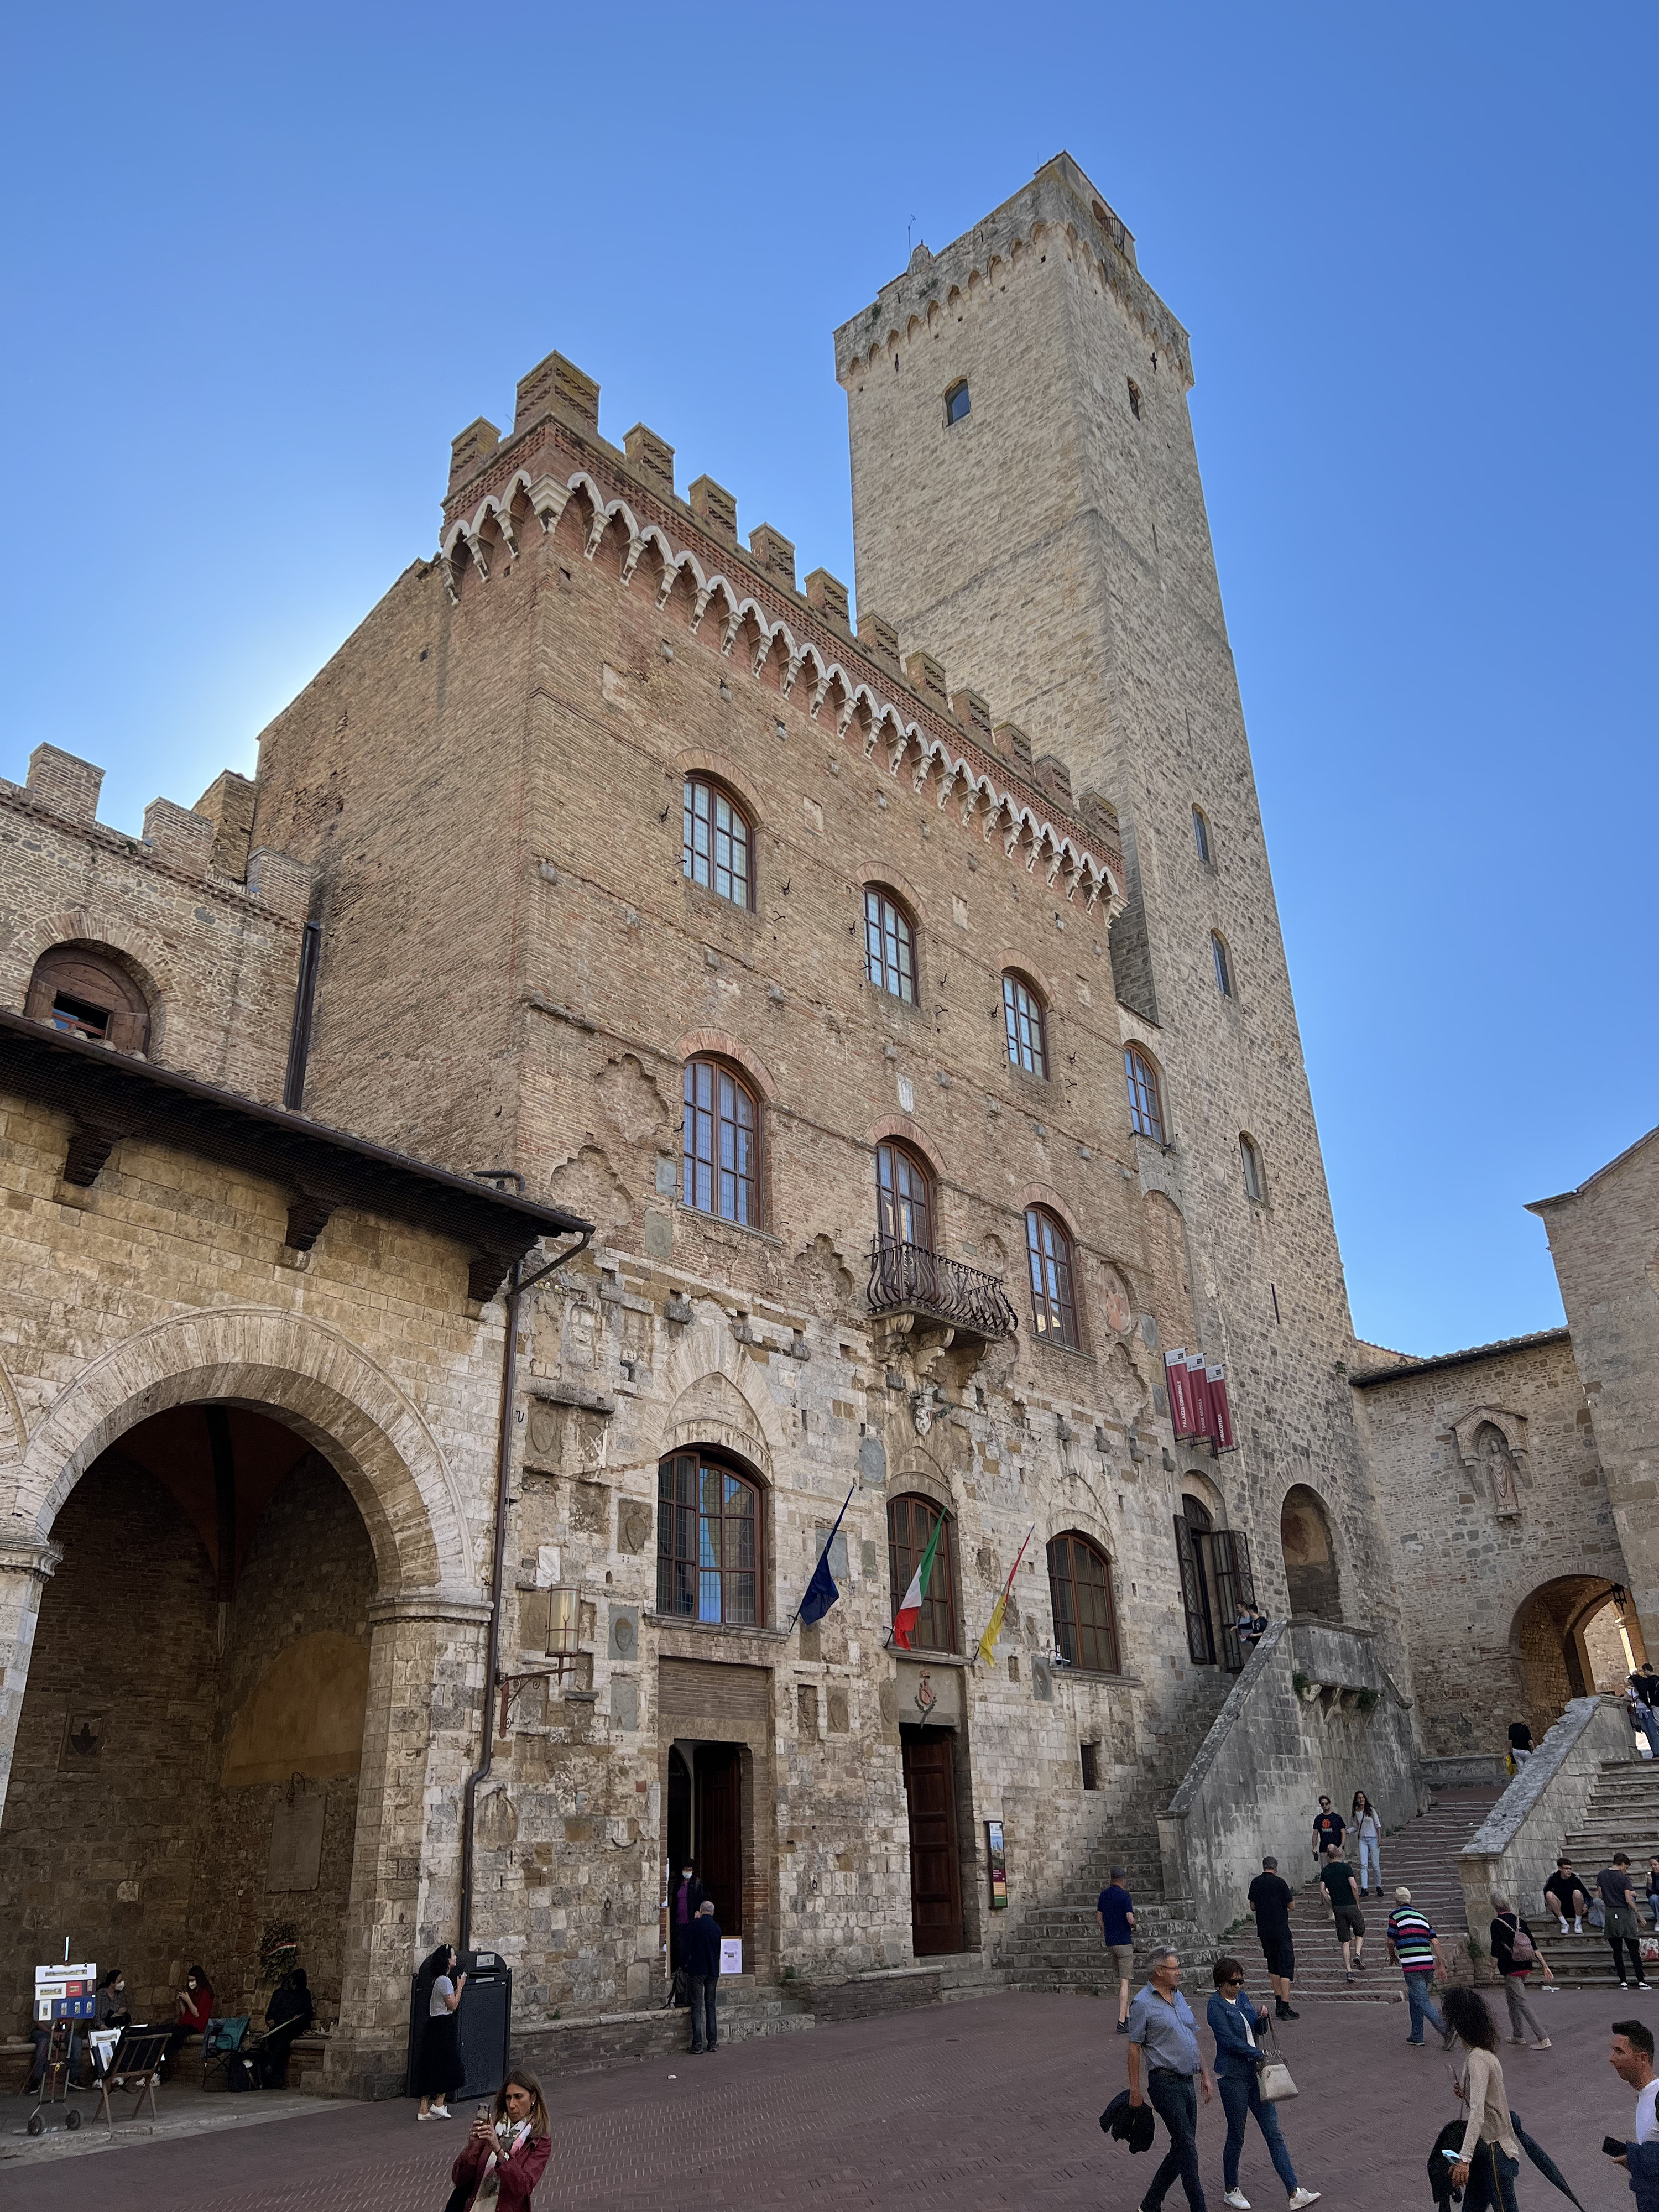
(930, 1790)
(720, 1831)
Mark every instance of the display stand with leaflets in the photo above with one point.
(63, 1999)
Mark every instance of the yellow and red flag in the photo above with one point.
(987, 1643)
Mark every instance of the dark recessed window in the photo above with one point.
(1250, 1161)
(889, 945)
(1135, 399)
(1022, 1014)
(904, 1204)
(1085, 1627)
(957, 403)
(1145, 1100)
(709, 1540)
(1053, 1303)
(1201, 835)
(1224, 966)
(85, 992)
(910, 1524)
(716, 841)
(80, 1018)
(720, 1153)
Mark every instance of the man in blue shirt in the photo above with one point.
(1115, 1913)
(703, 1968)
(1161, 2026)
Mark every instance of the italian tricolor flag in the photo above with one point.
(904, 1621)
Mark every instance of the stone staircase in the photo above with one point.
(1423, 1857)
(1622, 1815)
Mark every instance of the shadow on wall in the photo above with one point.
(1255, 1787)
(1305, 1535)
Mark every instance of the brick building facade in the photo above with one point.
(904, 1010)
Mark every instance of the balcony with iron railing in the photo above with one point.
(909, 1278)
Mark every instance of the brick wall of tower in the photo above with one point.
(1055, 541)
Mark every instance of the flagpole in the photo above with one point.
(828, 1541)
(1007, 1586)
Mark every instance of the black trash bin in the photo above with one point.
(483, 2023)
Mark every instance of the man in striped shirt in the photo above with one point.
(1415, 1949)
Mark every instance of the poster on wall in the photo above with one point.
(998, 1865)
(731, 1955)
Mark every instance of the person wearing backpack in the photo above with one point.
(1514, 1955)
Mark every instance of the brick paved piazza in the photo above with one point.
(989, 2103)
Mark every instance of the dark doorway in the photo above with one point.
(717, 1776)
(930, 1791)
(679, 1814)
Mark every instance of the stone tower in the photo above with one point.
(1027, 505)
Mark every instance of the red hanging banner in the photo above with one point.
(1176, 1375)
(1198, 1390)
(1221, 1412)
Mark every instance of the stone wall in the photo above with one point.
(1514, 1852)
(1501, 1528)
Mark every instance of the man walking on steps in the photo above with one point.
(1415, 1949)
(1342, 1888)
(1115, 1912)
(1270, 1898)
(1328, 1828)
(1162, 2030)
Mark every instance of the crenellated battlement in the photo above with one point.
(1058, 208)
(506, 494)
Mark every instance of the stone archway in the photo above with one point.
(419, 1609)
(1310, 1571)
(1565, 1640)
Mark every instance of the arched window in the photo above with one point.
(1201, 835)
(1054, 1304)
(709, 1540)
(1080, 1592)
(889, 945)
(957, 403)
(1224, 966)
(910, 1524)
(720, 1153)
(1250, 1161)
(904, 1207)
(86, 993)
(715, 842)
(1022, 1015)
(1145, 1100)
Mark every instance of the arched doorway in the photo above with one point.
(1305, 1535)
(1572, 1636)
(185, 1779)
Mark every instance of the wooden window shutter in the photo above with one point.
(1192, 1593)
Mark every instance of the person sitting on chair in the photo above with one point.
(110, 2006)
(287, 2016)
(195, 2003)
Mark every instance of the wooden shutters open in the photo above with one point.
(1193, 1595)
(1235, 1586)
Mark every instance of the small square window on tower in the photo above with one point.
(957, 403)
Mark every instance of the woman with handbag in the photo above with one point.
(1241, 2063)
(1491, 2157)
(506, 2154)
(1514, 1955)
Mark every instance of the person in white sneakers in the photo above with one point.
(1563, 1894)
(1237, 2026)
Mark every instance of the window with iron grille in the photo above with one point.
(1080, 1592)
(889, 945)
(1053, 1303)
(910, 1523)
(1146, 1099)
(904, 1207)
(1022, 1018)
(709, 1540)
(715, 843)
(720, 1156)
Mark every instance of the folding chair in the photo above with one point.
(137, 2066)
(221, 2040)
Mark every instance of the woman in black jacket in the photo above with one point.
(1510, 1935)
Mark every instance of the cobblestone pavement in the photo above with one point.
(983, 2104)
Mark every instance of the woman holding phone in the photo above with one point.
(1486, 2167)
(506, 2152)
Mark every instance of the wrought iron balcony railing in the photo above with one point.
(909, 1278)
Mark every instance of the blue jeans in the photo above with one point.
(1175, 2100)
(1240, 2096)
(1370, 1855)
(1492, 2181)
(1423, 2007)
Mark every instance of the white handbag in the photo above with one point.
(1274, 2084)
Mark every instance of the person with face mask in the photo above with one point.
(688, 1894)
(195, 2009)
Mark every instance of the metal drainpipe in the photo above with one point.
(516, 1289)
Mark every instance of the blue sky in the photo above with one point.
(264, 264)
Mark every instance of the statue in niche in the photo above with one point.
(1492, 1447)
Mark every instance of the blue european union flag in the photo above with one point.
(821, 1592)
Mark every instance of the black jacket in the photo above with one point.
(1503, 1935)
(1132, 2125)
(701, 1956)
